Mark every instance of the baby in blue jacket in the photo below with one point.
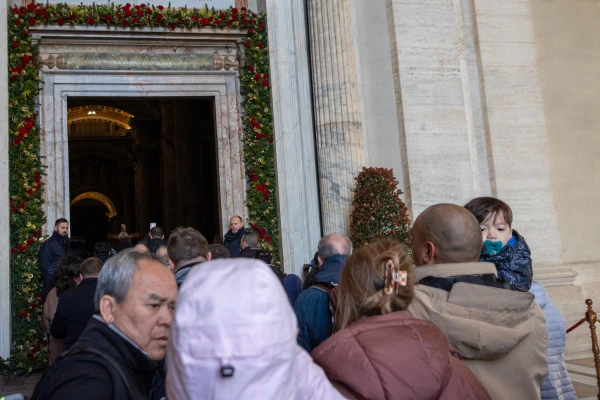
(502, 245)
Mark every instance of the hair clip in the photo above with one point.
(393, 278)
(389, 277)
(403, 278)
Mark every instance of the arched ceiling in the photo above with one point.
(142, 109)
(99, 197)
(99, 113)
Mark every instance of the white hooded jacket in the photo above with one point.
(233, 317)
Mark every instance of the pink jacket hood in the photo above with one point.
(235, 313)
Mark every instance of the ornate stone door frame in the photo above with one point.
(171, 61)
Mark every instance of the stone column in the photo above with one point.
(297, 192)
(339, 127)
(5, 319)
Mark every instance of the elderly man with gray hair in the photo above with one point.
(312, 306)
(116, 355)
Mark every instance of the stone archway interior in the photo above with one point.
(106, 64)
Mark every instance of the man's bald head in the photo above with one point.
(236, 223)
(333, 244)
(446, 233)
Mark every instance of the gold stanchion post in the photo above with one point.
(590, 317)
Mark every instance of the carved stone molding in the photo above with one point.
(225, 62)
(52, 61)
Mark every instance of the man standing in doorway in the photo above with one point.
(157, 239)
(52, 251)
(233, 238)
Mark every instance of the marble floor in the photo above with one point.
(583, 376)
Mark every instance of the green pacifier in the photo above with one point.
(491, 248)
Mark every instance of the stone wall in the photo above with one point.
(376, 83)
(568, 57)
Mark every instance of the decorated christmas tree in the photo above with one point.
(378, 211)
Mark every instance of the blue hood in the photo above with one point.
(331, 270)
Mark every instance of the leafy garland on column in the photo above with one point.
(26, 169)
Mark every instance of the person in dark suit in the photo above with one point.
(233, 238)
(76, 305)
(52, 251)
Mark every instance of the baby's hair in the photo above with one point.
(362, 284)
(483, 207)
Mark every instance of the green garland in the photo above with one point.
(26, 169)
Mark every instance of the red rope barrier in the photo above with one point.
(576, 325)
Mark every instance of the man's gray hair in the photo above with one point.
(116, 276)
(334, 244)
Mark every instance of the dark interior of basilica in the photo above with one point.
(134, 161)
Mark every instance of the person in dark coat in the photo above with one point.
(249, 245)
(157, 239)
(76, 305)
(51, 252)
(187, 249)
(117, 353)
(312, 305)
(233, 238)
(102, 250)
(124, 242)
(292, 284)
(67, 275)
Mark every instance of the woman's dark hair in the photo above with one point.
(218, 251)
(68, 270)
(76, 245)
(102, 247)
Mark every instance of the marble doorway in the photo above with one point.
(80, 62)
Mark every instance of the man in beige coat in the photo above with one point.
(500, 333)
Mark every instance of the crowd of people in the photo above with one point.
(456, 316)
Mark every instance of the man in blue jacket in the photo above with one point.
(52, 251)
(312, 306)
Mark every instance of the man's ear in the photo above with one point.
(430, 253)
(319, 261)
(171, 265)
(162, 237)
(108, 306)
(208, 256)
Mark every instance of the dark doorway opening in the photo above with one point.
(154, 160)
